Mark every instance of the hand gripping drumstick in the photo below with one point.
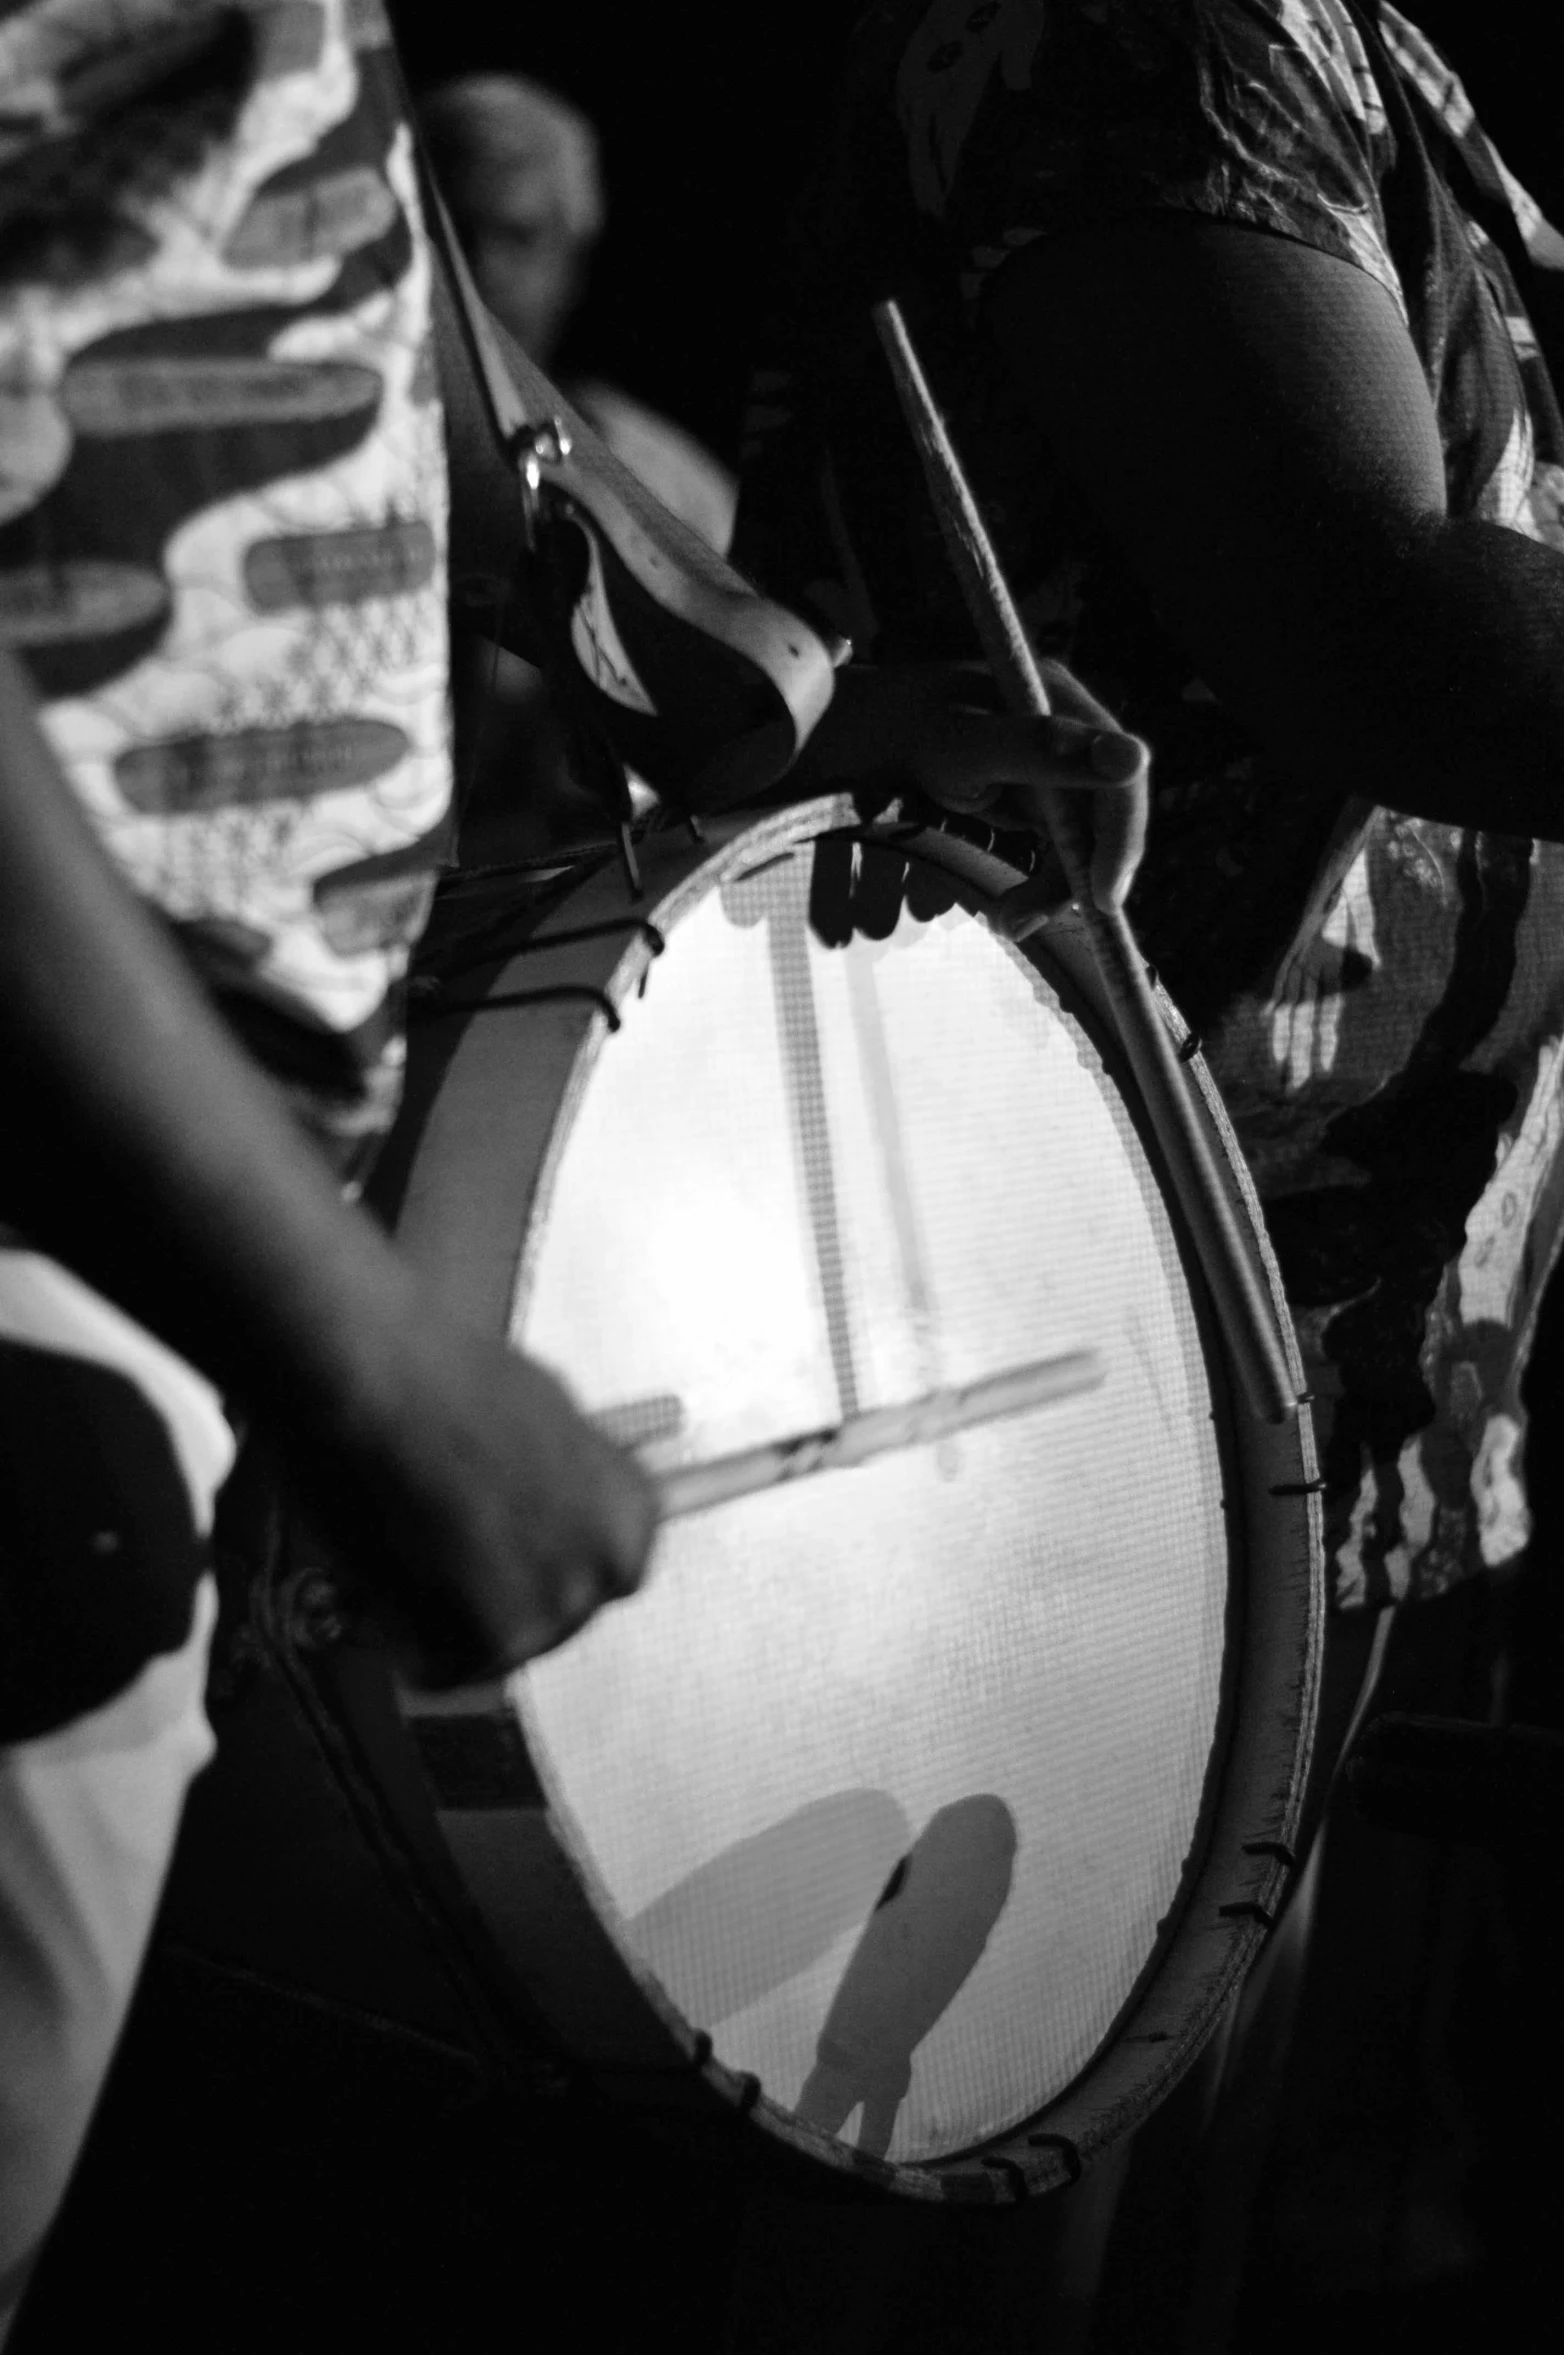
(877, 1431)
(1241, 1306)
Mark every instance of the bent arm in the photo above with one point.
(144, 1152)
(1250, 419)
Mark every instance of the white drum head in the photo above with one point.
(888, 1778)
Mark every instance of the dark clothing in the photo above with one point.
(1381, 998)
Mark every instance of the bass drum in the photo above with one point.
(925, 1814)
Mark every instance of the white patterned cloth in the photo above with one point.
(223, 498)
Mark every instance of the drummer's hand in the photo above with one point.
(490, 1520)
(935, 725)
(1001, 767)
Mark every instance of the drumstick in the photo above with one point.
(879, 1430)
(1241, 1305)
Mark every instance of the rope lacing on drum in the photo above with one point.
(499, 942)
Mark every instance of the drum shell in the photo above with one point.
(548, 1010)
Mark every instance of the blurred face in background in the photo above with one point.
(519, 170)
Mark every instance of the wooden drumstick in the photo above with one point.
(878, 1431)
(1245, 1313)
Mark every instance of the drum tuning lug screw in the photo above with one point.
(545, 442)
(1246, 1910)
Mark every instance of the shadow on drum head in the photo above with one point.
(918, 1950)
(756, 1914)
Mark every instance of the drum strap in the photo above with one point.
(530, 442)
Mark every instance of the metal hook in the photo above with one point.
(542, 442)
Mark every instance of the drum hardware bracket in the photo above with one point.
(748, 2093)
(1191, 1047)
(1247, 1909)
(1298, 1487)
(1012, 2174)
(1074, 2168)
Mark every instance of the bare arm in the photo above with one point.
(146, 1153)
(1250, 419)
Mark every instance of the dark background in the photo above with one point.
(704, 114)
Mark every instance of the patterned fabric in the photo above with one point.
(222, 498)
(1381, 998)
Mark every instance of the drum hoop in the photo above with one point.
(493, 1810)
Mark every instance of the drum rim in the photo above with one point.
(1226, 1902)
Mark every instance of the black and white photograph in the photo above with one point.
(781, 1177)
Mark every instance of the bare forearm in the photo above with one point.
(143, 1150)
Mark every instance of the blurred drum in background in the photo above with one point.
(923, 1814)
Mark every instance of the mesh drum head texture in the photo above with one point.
(889, 1777)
